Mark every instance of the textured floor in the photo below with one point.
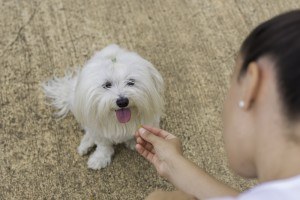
(191, 42)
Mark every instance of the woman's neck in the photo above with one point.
(278, 158)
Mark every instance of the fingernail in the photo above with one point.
(142, 131)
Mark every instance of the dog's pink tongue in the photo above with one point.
(123, 115)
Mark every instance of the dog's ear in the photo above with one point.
(157, 79)
(158, 96)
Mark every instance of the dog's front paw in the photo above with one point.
(86, 144)
(98, 163)
(82, 150)
(100, 158)
(131, 144)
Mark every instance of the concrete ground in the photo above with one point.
(191, 42)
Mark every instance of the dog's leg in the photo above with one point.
(102, 156)
(130, 144)
(86, 144)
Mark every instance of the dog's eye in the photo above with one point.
(107, 85)
(131, 82)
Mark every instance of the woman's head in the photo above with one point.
(265, 90)
(279, 38)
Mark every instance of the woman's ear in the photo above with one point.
(250, 84)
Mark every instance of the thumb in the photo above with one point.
(149, 137)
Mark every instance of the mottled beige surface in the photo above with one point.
(192, 43)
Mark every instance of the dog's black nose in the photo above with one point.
(122, 102)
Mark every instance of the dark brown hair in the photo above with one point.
(279, 38)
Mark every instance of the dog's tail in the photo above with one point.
(60, 92)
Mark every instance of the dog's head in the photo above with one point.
(116, 84)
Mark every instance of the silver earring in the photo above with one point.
(241, 104)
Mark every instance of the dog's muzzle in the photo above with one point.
(122, 102)
(123, 114)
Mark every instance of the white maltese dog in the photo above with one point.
(111, 96)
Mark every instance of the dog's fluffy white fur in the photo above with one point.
(111, 96)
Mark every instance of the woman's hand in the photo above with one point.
(164, 151)
(159, 147)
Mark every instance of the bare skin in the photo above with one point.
(163, 150)
(247, 129)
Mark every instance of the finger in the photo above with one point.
(149, 147)
(144, 152)
(145, 144)
(136, 134)
(140, 141)
(147, 136)
(159, 132)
